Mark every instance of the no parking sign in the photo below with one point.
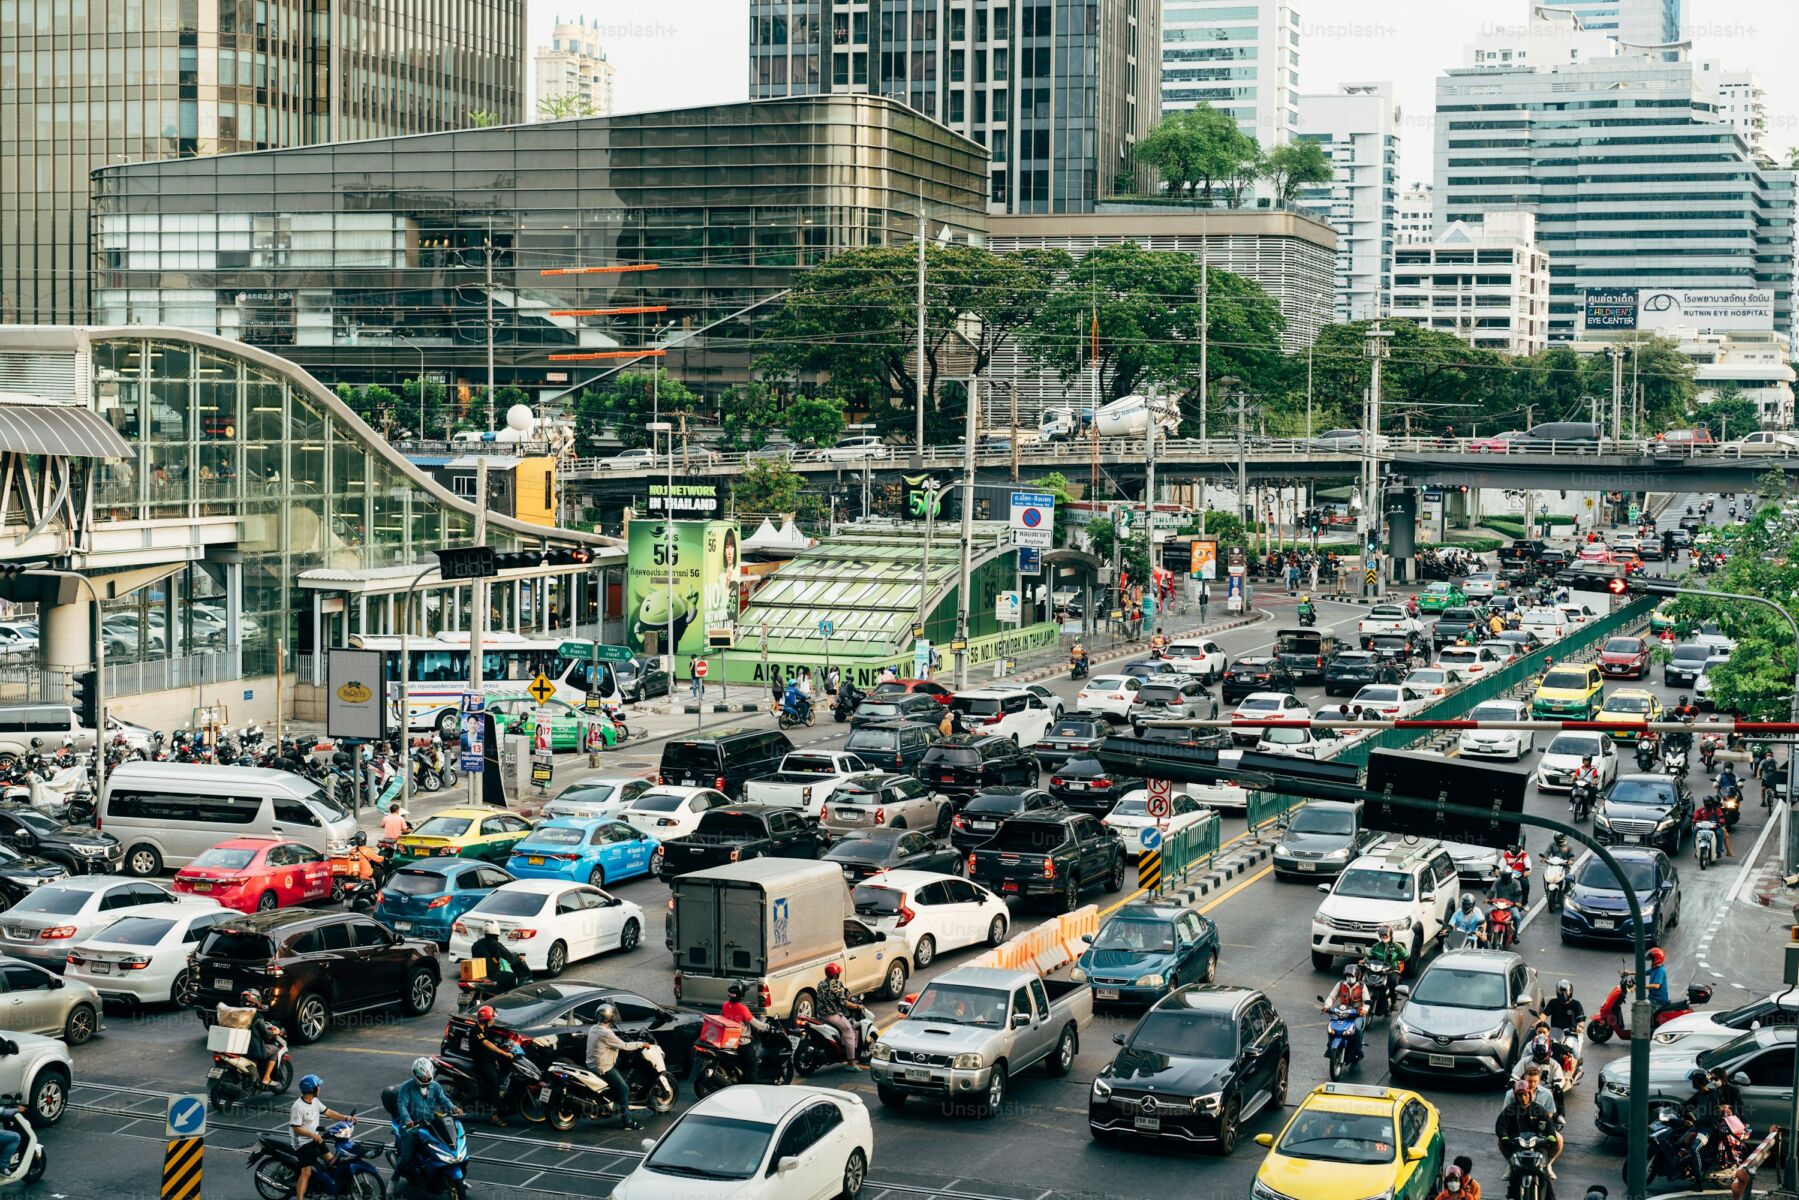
(1033, 519)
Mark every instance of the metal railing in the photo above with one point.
(161, 674)
(1188, 849)
(1269, 808)
(27, 683)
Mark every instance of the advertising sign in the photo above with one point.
(701, 557)
(1234, 600)
(1033, 519)
(1030, 560)
(355, 700)
(1610, 308)
(922, 498)
(685, 500)
(1205, 559)
(1664, 309)
(474, 739)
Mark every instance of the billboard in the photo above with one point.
(1660, 309)
(684, 499)
(700, 557)
(1610, 308)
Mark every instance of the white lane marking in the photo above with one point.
(1748, 866)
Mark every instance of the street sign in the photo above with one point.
(700, 668)
(921, 657)
(1033, 519)
(1588, 502)
(182, 1164)
(588, 650)
(826, 628)
(1006, 608)
(1149, 870)
(1150, 838)
(542, 689)
(1149, 606)
(185, 1117)
(543, 770)
(1161, 807)
(1030, 560)
(355, 703)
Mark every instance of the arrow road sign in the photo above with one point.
(1151, 838)
(186, 1117)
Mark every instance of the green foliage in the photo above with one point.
(1757, 682)
(767, 486)
(481, 118)
(816, 421)
(1426, 372)
(1133, 550)
(624, 405)
(1056, 484)
(435, 408)
(1294, 165)
(747, 415)
(1228, 528)
(1200, 148)
(556, 108)
(1730, 414)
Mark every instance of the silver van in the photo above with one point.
(51, 724)
(165, 814)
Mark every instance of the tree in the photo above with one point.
(1294, 165)
(381, 405)
(1757, 682)
(1430, 378)
(1666, 376)
(747, 415)
(1056, 484)
(482, 118)
(853, 319)
(1133, 552)
(625, 405)
(815, 422)
(436, 400)
(1248, 167)
(766, 487)
(558, 108)
(1729, 413)
(1200, 147)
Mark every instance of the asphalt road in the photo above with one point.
(1038, 1147)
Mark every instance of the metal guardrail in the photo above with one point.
(1269, 808)
(1187, 849)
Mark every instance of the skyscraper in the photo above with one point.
(1354, 127)
(1239, 56)
(1055, 91)
(116, 81)
(1634, 22)
(574, 77)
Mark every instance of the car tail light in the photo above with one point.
(459, 927)
(880, 816)
(824, 812)
(993, 720)
(660, 780)
(134, 964)
(765, 997)
(1055, 781)
(521, 935)
(958, 822)
(971, 864)
(735, 855)
(440, 902)
(1102, 783)
(677, 987)
(1118, 695)
(272, 968)
(74, 959)
(1049, 867)
(905, 914)
(718, 783)
(57, 933)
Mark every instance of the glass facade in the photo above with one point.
(356, 260)
(85, 83)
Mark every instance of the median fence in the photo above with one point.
(1049, 947)
(1187, 849)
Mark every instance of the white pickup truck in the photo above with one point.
(1389, 618)
(807, 779)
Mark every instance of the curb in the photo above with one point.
(1217, 876)
(719, 707)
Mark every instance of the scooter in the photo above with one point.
(1731, 801)
(32, 1160)
(1555, 880)
(1308, 617)
(1502, 923)
(1675, 760)
(577, 1092)
(1340, 1031)
(1378, 980)
(789, 717)
(440, 1167)
(1646, 753)
(1705, 843)
(821, 1044)
(350, 1172)
(525, 1089)
(1077, 666)
(848, 696)
(1708, 751)
(235, 1078)
(1580, 799)
(1527, 1168)
(1676, 1141)
(1612, 1021)
(720, 1050)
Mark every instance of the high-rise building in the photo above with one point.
(1632, 177)
(1354, 127)
(1416, 222)
(574, 76)
(1059, 93)
(1632, 22)
(1743, 104)
(1239, 56)
(1487, 284)
(116, 81)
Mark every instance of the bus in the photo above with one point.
(439, 673)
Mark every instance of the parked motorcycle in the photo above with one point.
(576, 1092)
(441, 1165)
(1613, 1018)
(1555, 880)
(350, 1171)
(726, 1052)
(821, 1044)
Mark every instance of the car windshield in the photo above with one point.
(1692, 653)
(1355, 658)
(237, 945)
(135, 931)
(1622, 646)
(1323, 818)
(508, 904)
(1161, 693)
(1108, 683)
(1155, 936)
(1493, 712)
(657, 802)
(1362, 884)
(1596, 875)
(1175, 1034)
(877, 708)
(36, 822)
(873, 739)
(860, 849)
(954, 1005)
(994, 802)
(1575, 745)
(707, 1147)
(1338, 1137)
(1028, 837)
(1286, 737)
(586, 793)
(554, 835)
(871, 901)
(220, 857)
(58, 901)
(1378, 693)
(1260, 704)
(1254, 665)
(1427, 676)
(418, 883)
(1717, 1056)
(1571, 680)
(1627, 704)
(444, 827)
(1459, 987)
(975, 706)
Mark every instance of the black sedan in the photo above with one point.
(1203, 1061)
(83, 849)
(1645, 810)
(564, 1010)
(1077, 733)
(866, 852)
(21, 874)
(638, 679)
(1248, 675)
(980, 817)
(900, 706)
(1349, 670)
(1086, 785)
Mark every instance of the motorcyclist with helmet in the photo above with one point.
(1349, 993)
(1565, 1011)
(603, 1046)
(1684, 710)
(505, 969)
(419, 1100)
(735, 1009)
(1469, 918)
(1711, 808)
(1714, 1098)
(492, 1055)
(1518, 859)
(262, 1036)
(1586, 773)
(303, 1120)
(1505, 886)
(1656, 981)
(834, 1006)
(1541, 1054)
(1307, 610)
(1530, 1109)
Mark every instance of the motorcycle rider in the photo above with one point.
(1505, 886)
(1078, 658)
(10, 1139)
(834, 1006)
(303, 1120)
(1711, 808)
(1411, 607)
(1768, 772)
(734, 1009)
(603, 1045)
(1565, 1012)
(1518, 859)
(1349, 993)
(1656, 981)
(420, 1099)
(1530, 1109)
(794, 701)
(394, 825)
(1541, 1054)
(1307, 610)
(500, 960)
(262, 1036)
(1714, 1098)
(1586, 773)
(1684, 710)
(1388, 951)
(492, 1058)
(1470, 919)
(1728, 782)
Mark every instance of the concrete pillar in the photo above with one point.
(362, 619)
(66, 635)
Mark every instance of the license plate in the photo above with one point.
(462, 1041)
(535, 860)
(984, 826)
(1149, 1123)
(1602, 923)
(216, 1073)
(918, 1075)
(1633, 839)
(1106, 994)
(202, 886)
(1307, 866)
(1442, 1060)
(403, 926)
(1076, 786)
(222, 985)
(100, 968)
(1008, 886)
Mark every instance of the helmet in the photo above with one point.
(491, 929)
(1452, 1179)
(1699, 1078)
(1586, 759)
(424, 1070)
(484, 1013)
(359, 839)
(310, 1083)
(606, 1015)
(1561, 841)
(251, 997)
(1467, 903)
(1505, 872)
(1563, 988)
(1386, 933)
(1682, 701)
(833, 970)
(1657, 956)
(1350, 973)
(735, 992)
(342, 1131)
(1539, 1049)
(1521, 1087)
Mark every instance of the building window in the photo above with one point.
(463, 486)
(859, 72)
(861, 28)
(958, 24)
(999, 185)
(840, 69)
(955, 107)
(957, 67)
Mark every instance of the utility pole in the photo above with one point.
(1014, 438)
(477, 615)
(1372, 502)
(1149, 479)
(1205, 331)
(919, 371)
(488, 249)
(1244, 511)
(1616, 354)
(967, 533)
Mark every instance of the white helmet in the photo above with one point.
(492, 928)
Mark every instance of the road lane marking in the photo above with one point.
(1748, 865)
(1223, 896)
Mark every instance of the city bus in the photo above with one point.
(509, 661)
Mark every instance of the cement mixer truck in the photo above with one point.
(1128, 416)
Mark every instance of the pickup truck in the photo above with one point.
(1389, 618)
(805, 781)
(743, 831)
(973, 1029)
(1460, 622)
(1053, 853)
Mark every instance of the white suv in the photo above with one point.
(1411, 887)
(1201, 657)
(1021, 716)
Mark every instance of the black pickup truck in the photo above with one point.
(1457, 623)
(1053, 853)
(728, 835)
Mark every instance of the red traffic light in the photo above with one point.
(1616, 587)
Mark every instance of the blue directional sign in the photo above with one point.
(186, 1117)
(1151, 838)
(1030, 560)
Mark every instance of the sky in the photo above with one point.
(680, 53)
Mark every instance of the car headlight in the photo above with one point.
(1401, 1030)
(1259, 1191)
(1151, 980)
(1666, 822)
(1601, 821)
(968, 1062)
(1208, 1103)
(1341, 853)
(1494, 1034)
(81, 849)
(1101, 1089)
(1402, 925)
(881, 1052)
(1612, 1087)
(1078, 975)
(1568, 905)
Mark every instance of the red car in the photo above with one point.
(923, 687)
(1499, 443)
(1624, 658)
(257, 874)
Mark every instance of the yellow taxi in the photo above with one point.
(466, 832)
(1352, 1140)
(1568, 690)
(1629, 704)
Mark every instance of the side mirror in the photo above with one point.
(905, 1007)
(1020, 1020)
(1325, 888)
(1088, 938)
(1523, 1001)
(1265, 1140)
(787, 1166)
(1118, 1039)
(1414, 1154)
(1403, 990)
(56, 982)
(1739, 1078)
(880, 937)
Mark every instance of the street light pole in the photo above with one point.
(99, 634)
(405, 687)
(668, 533)
(974, 404)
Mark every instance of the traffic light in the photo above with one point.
(1617, 585)
(519, 558)
(465, 562)
(84, 694)
(570, 557)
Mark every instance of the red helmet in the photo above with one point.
(1656, 956)
(833, 970)
(484, 1013)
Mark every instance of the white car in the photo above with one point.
(1764, 441)
(1435, 682)
(1497, 743)
(1505, 652)
(1546, 624)
(1576, 614)
(1021, 715)
(1702, 688)
(1202, 657)
(1049, 698)
(1712, 636)
(1555, 770)
(855, 449)
(1706, 1027)
(758, 1142)
(1626, 541)
(641, 459)
(606, 797)
(41, 927)
(1393, 701)
(1482, 585)
(671, 811)
(142, 958)
(39, 1069)
(931, 912)
(550, 922)
(1389, 618)
(1300, 743)
(1276, 706)
(1191, 804)
(1113, 695)
(1468, 662)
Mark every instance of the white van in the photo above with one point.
(165, 813)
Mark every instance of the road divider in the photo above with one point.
(1047, 948)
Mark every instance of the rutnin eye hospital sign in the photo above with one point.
(1668, 310)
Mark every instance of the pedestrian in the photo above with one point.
(1205, 598)
(394, 824)
(777, 688)
(695, 681)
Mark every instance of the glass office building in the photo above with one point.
(368, 261)
(88, 83)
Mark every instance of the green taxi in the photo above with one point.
(568, 724)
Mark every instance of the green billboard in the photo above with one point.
(679, 573)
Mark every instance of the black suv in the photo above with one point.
(1087, 785)
(722, 761)
(1645, 810)
(83, 849)
(315, 966)
(1076, 733)
(1248, 675)
(981, 816)
(893, 745)
(1054, 853)
(1349, 670)
(1203, 1061)
(962, 764)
